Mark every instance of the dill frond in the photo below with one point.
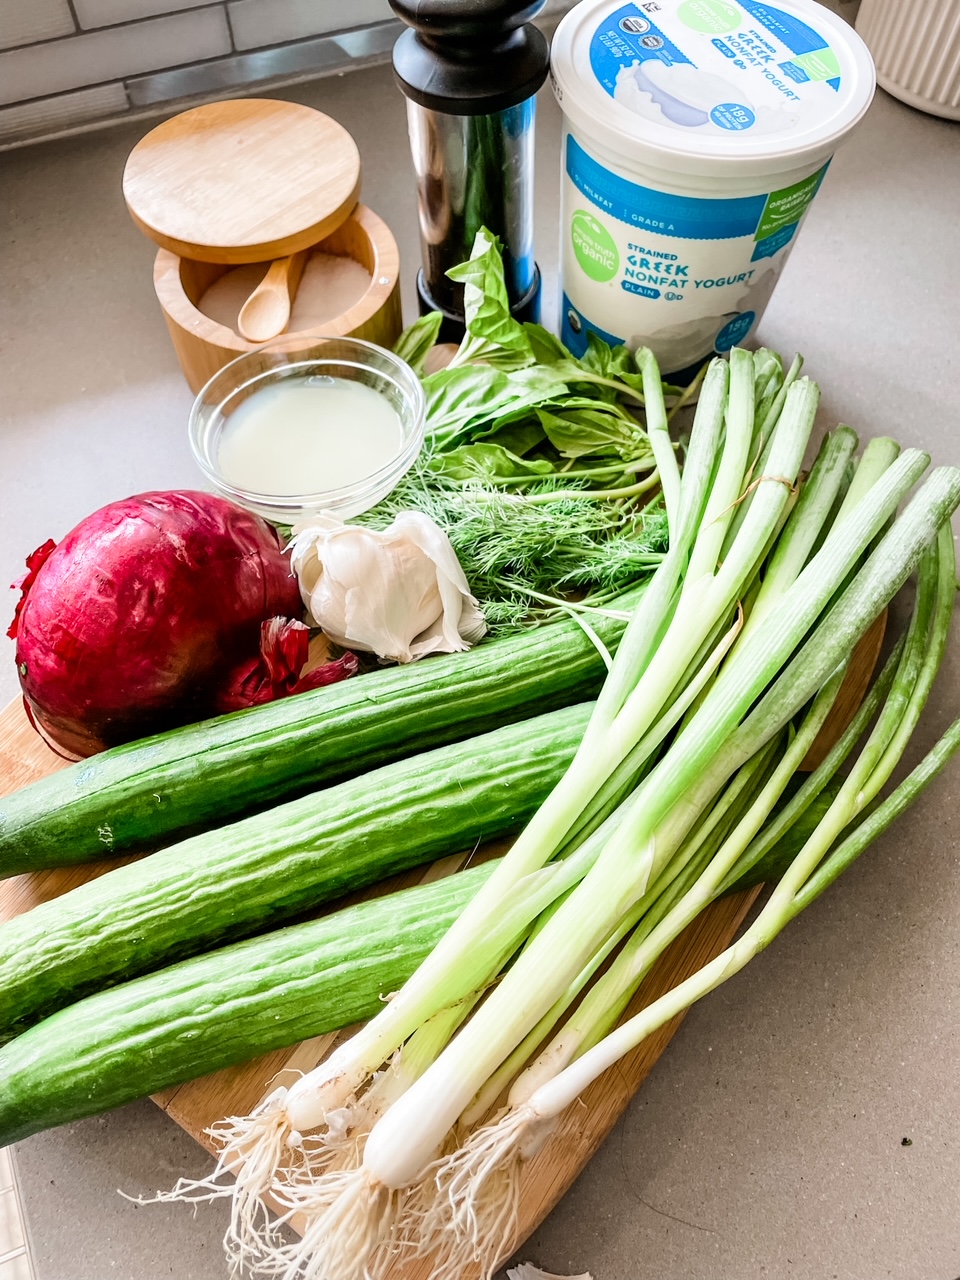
(513, 550)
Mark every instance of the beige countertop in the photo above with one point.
(769, 1141)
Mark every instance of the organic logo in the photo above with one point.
(594, 247)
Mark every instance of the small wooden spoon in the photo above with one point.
(266, 312)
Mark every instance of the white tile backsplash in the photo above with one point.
(107, 13)
(67, 64)
(23, 21)
(12, 1239)
(15, 1259)
(48, 115)
(263, 22)
(112, 52)
(16, 1268)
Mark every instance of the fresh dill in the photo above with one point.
(514, 551)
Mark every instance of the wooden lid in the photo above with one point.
(245, 180)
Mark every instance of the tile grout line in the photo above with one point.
(22, 1252)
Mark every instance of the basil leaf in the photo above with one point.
(518, 432)
(466, 397)
(492, 333)
(635, 382)
(489, 462)
(458, 396)
(579, 433)
(609, 362)
(545, 347)
(592, 402)
(417, 339)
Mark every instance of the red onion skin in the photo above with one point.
(35, 562)
(275, 672)
(138, 612)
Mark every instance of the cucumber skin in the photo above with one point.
(223, 1008)
(228, 883)
(146, 793)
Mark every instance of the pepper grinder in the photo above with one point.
(469, 70)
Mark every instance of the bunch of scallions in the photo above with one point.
(410, 1136)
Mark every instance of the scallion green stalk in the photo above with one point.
(690, 748)
(807, 878)
(922, 651)
(402, 1143)
(658, 433)
(493, 1031)
(807, 520)
(728, 485)
(760, 448)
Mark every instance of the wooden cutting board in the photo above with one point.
(197, 1105)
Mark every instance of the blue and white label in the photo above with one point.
(687, 276)
(716, 66)
(734, 331)
(732, 115)
(574, 327)
(681, 217)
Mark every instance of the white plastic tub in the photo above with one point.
(696, 134)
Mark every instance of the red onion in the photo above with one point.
(145, 614)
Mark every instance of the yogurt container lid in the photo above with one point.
(696, 86)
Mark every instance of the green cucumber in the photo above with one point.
(146, 793)
(226, 884)
(224, 1008)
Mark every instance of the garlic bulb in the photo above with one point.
(399, 593)
(528, 1271)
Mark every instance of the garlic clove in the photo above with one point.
(527, 1271)
(461, 623)
(399, 592)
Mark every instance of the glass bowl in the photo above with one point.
(297, 356)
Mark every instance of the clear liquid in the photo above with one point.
(308, 435)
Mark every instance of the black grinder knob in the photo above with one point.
(469, 70)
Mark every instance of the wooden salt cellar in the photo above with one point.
(251, 180)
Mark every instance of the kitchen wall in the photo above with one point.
(71, 64)
(67, 65)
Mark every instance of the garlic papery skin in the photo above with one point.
(398, 592)
(528, 1271)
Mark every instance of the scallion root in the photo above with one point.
(465, 1210)
(251, 1149)
(347, 1222)
(261, 1156)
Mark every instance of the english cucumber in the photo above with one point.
(228, 883)
(223, 1008)
(147, 793)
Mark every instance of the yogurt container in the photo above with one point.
(696, 133)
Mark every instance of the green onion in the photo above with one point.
(677, 787)
(475, 1174)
